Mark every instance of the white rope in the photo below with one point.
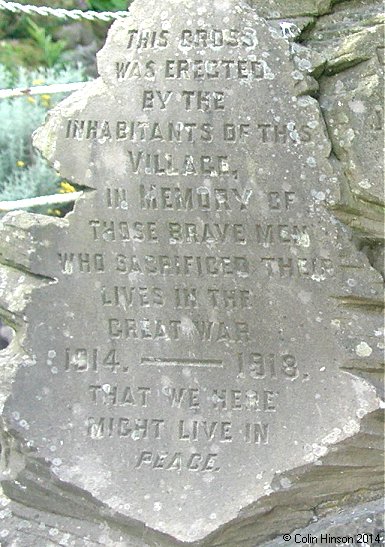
(40, 90)
(6, 206)
(76, 14)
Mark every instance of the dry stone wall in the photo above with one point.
(199, 344)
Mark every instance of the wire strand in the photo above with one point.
(40, 90)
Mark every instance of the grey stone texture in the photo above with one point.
(199, 344)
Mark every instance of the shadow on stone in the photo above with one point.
(6, 335)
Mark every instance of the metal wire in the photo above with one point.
(56, 199)
(40, 90)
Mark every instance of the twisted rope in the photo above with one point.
(61, 13)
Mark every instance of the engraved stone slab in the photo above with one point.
(195, 313)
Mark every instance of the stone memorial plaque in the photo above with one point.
(189, 329)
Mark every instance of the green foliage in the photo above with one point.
(23, 173)
(14, 53)
(10, 25)
(15, 25)
(51, 51)
(29, 43)
(108, 5)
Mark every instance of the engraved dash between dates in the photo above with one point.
(160, 362)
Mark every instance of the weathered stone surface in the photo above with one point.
(205, 264)
(351, 34)
(352, 100)
(363, 524)
(280, 8)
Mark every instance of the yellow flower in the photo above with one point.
(66, 187)
(31, 100)
(20, 163)
(38, 82)
(46, 100)
(55, 212)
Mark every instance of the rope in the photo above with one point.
(56, 199)
(76, 14)
(40, 90)
(14, 7)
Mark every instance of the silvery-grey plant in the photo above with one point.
(23, 173)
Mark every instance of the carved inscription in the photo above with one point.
(185, 193)
(189, 325)
(199, 231)
(104, 131)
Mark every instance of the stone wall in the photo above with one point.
(342, 493)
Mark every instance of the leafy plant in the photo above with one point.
(108, 5)
(23, 173)
(51, 50)
(14, 53)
